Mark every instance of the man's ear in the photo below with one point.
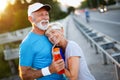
(30, 19)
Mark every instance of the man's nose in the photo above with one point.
(46, 17)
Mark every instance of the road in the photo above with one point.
(107, 23)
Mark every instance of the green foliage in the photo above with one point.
(15, 16)
(20, 20)
(4, 67)
(111, 2)
(71, 9)
(84, 4)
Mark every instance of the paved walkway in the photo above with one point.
(94, 61)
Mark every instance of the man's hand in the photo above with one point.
(57, 66)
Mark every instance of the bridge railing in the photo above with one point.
(11, 54)
(109, 47)
(14, 36)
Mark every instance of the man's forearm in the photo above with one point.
(27, 73)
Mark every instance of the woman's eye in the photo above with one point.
(52, 32)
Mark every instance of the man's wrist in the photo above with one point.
(45, 71)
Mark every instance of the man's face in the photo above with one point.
(41, 14)
(41, 18)
(54, 36)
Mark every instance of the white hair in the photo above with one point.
(54, 26)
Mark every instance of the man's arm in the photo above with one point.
(28, 73)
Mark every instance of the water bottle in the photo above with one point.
(57, 56)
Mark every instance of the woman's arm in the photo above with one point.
(73, 67)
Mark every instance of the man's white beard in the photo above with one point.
(42, 26)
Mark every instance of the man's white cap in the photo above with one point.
(36, 6)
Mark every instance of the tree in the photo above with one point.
(15, 16)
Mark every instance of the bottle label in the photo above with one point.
(57, 56)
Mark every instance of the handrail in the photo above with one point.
(95, 43)
(14, 36)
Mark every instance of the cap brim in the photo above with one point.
(47, 7)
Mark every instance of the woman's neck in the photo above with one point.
(63, 44)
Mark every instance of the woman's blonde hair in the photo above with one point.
(54, 26)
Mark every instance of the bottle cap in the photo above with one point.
(56, 49)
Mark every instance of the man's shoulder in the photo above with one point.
(27, 40)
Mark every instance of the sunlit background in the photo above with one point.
(73, 3)
(64, 3)
(3, 4)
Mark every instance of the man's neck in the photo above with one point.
(38, 31)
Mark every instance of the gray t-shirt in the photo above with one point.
(73, 49)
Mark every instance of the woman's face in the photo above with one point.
(54, 36)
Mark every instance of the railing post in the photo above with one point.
(116, 56)
(96, 49)
(105, 59)
(11, 62)
(117, 70)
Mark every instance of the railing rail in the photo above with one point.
(14, 36)
(102, 43)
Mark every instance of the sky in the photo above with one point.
(73, 3)
(64, 3)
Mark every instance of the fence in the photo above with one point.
(102, 44)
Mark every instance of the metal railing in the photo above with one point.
(14, 36)
(109, 47)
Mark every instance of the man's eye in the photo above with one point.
(52, 32)
(47, 14)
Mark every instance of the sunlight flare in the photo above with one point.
(3, 5)
(73, 3)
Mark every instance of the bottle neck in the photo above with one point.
(56, 50)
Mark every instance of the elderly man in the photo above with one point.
(35, 61)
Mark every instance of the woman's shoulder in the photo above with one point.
(73, 49)
(72, 43)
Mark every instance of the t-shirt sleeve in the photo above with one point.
(73, 49)
(25, 55)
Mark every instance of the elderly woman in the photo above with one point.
(75, 63)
